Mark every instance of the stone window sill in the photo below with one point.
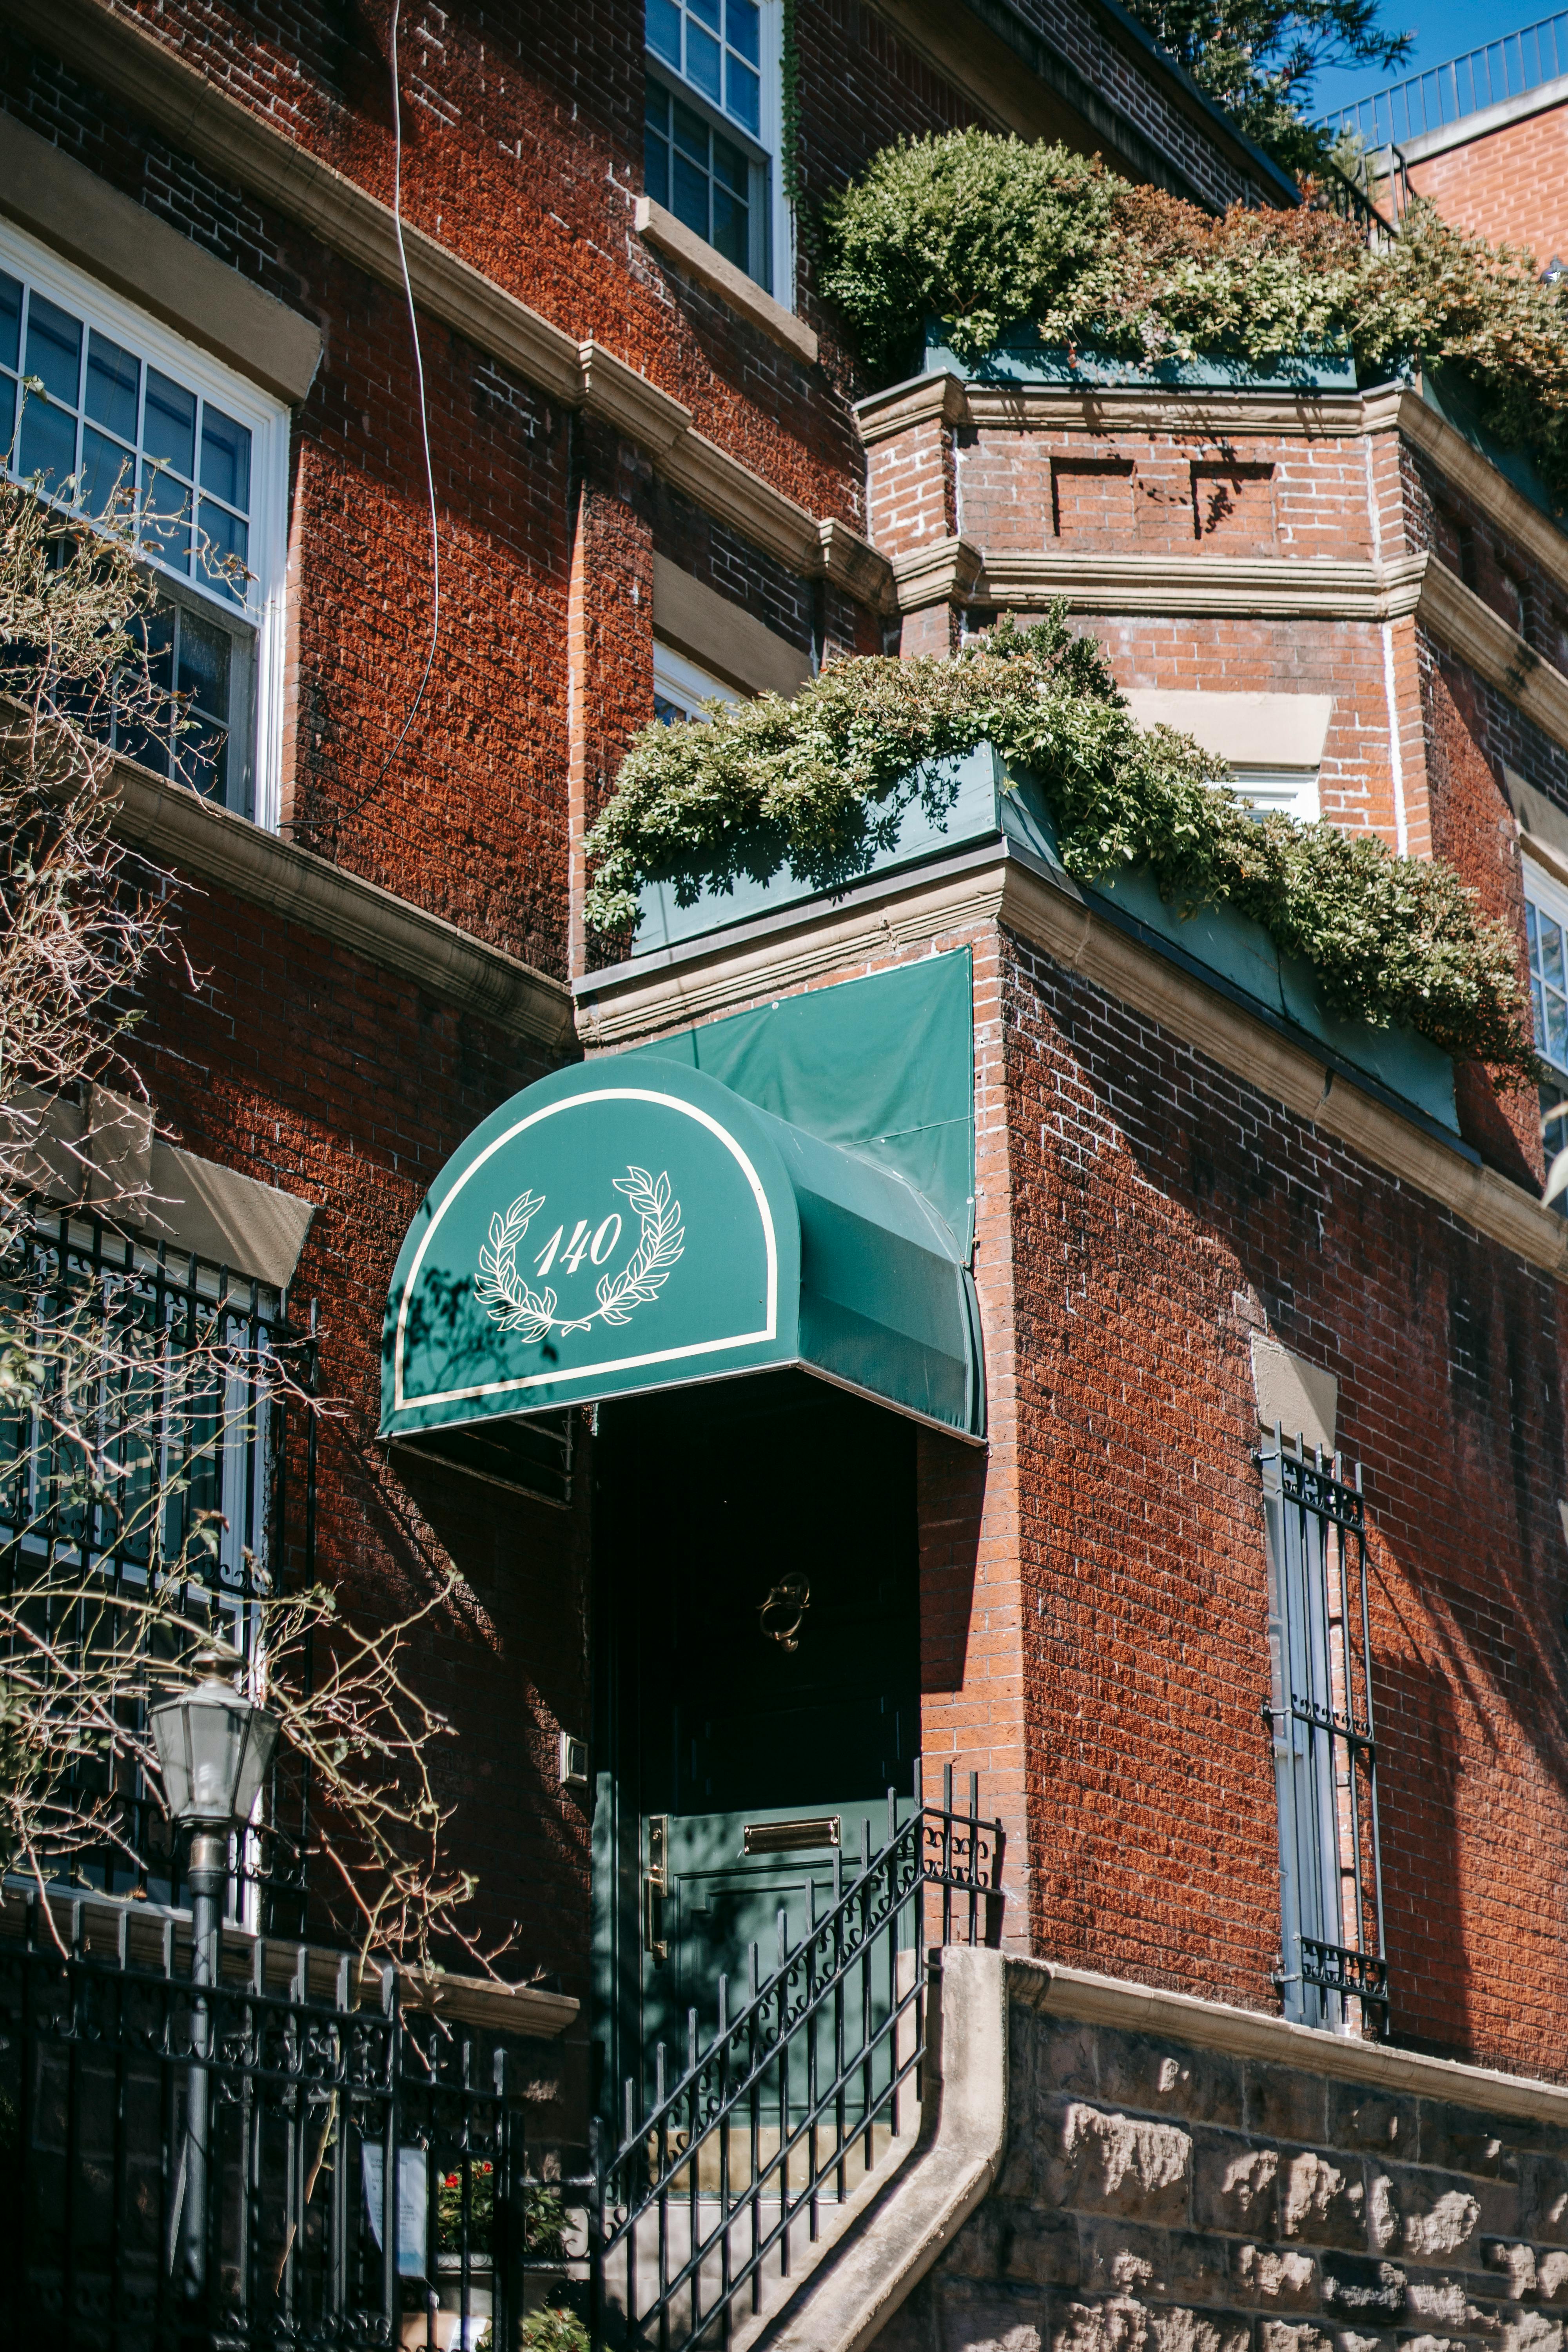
(700, 260)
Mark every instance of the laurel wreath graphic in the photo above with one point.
(508, 1298)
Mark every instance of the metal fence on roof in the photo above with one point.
(1510, 68)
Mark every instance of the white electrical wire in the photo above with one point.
(371, 789)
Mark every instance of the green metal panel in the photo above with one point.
(884, 1065)
(631, 1225)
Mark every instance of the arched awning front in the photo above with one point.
(632, 1224)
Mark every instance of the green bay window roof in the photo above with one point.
(632, 1224)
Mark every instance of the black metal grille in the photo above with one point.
(709, 2197)
(216, 1479)
(368, 2177)
(1333, 1968)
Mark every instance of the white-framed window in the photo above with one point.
(680, 688)
(1546, 932)
(1278, 792)
(714, 128)
(1546, 929)
(204, 455)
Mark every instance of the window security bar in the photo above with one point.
(1333, 1969)
(709, 2196)
(167, 1439)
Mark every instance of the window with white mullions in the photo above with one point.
(714, 128)
(1335, 1970)
(99, 404)
(1546, 933)
(717, 47)
(700, 177)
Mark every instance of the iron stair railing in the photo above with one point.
(795, 2098)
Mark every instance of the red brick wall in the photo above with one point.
(304, 1066)
(1509, 185)
(1164, 1211)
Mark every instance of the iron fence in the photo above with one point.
(709, 2197)
(1333, 1969)
(1510, 68)
(368, 2176)
(172, 1434)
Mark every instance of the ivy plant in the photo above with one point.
(987, 234)
(822, 778)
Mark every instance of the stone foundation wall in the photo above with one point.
(1159, 2195)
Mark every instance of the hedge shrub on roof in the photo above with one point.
(1394, 941)
(985, 234)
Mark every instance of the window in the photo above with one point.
(1278, 792)
(679, 687)
(1334, 1971)
(1546, 930)
(153, 1447)
(202, 455)
(713, 128)
(716, 45)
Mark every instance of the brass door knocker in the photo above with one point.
(787, 1605)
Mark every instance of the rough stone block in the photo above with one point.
(1068, 2056)
(1014, 2239)
(1532, 2331)
(1199, 2085)
(1120, 2258)
(1543, 2199)
(1123, 2164)
(988, 2319)
(1274, 2278)
(1284, 2103)
(1284, 2336)
(1444, 2302)
(1235, 2185)
(1551, 2276)
(1517, 2263)
(1458, 2139)
(1442, 2217)
(1359, 2287)
(1374, 2120)
(1322, 2198)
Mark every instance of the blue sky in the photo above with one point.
(1443, 29)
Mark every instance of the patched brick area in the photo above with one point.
(1163, 2197)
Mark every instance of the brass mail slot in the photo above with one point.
(790, 1837)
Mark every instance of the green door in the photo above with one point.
(758, 1649)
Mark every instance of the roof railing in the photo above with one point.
(1510, 68)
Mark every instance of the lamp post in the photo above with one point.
(214, 1748)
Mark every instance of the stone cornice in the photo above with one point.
(801, 945)
(1091, 2000)
(178, 829)
(115, 50)
(1263, 586)
(1455, 615)
(1463, 465)
(944, 572)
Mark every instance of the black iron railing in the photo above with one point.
(710, 2196)
(192, 1449)
(368, 2176)
(1509, 68)
(1333, 1970)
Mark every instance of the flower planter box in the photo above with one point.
(1020, 358)
(976, 802)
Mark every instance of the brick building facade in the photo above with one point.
(657, 472)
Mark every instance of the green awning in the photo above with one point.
(632, 1224)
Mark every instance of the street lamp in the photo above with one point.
(214, 1748)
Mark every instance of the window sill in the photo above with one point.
(700, 260)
